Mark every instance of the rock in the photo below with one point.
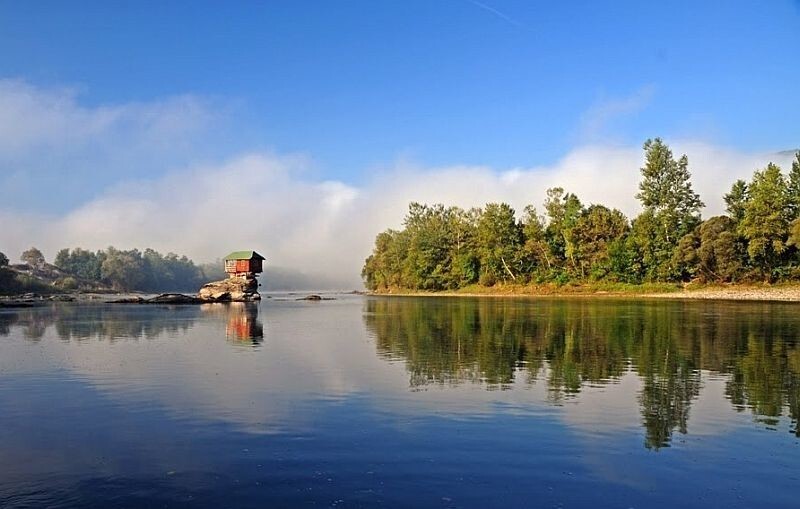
(128, 300)
(315, 297)
(173, 298)
(164, 298)
(15, 305)
(233, 289)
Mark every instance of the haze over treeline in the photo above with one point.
(135, 175)
(123, 270)
(757, 238)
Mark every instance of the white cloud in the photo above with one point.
(55, 151)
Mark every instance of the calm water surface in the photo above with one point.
(401, 402)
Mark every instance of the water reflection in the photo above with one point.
(242, 325)
(508, 400)
(107, 322)
(131, 321)
(573, 344)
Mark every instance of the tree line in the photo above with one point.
(112, 268)
(444, 248)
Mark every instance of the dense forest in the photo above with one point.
(445, 248)
(112, 269)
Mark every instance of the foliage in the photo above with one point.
(448, 248)
(712, 252)
(765, 223)
(33, 257)
(499, 238)
(128, 270)
(590, 237)
(736, 199)
(672, 206)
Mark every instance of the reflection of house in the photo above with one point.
(242, 263)
(243, 323)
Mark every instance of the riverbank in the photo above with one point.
(785, 292)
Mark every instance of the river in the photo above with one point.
(401, 402)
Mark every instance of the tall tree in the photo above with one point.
(498, 239)
(712, 252)
(123, 269)
(537, 252)
(596, 228)
(765, 224)
(793, 188)
(666, 193)
(563, 211)
(428, 255)
(33, 257)
(736, 200)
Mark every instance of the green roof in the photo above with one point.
(244, 255)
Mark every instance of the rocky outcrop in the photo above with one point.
(314, 297)
(164, 298)
(233, 289)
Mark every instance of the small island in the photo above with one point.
(241, 285)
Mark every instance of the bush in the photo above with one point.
(487, 279)
(68, 283)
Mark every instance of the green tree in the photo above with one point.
(736, 200)
(383, 269)
(123, 270)
(498, 240)
(464, 260)
(6, 275)
(590, 237)
(667, 195)
(430, 238)
(793, 188)
(712, 252)
(79, 262)
(33, 257)
(563, 211)
(536, 250)
(765, 224)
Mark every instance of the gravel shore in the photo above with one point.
(764, 293)
(780, 293)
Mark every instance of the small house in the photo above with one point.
(240, 263)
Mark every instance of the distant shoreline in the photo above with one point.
(763, 293)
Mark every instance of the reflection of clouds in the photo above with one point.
(310, 356)
(600, 411)
(314, 353)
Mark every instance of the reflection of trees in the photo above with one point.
(130, 321)
(572, 343)
(111, 322)
(7, 319)
(31, 322)
(448, 342)
(767, 378)
(122, 321)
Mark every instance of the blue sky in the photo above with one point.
(357, 83)
(97, 95)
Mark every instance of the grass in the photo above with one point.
(509, 289)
